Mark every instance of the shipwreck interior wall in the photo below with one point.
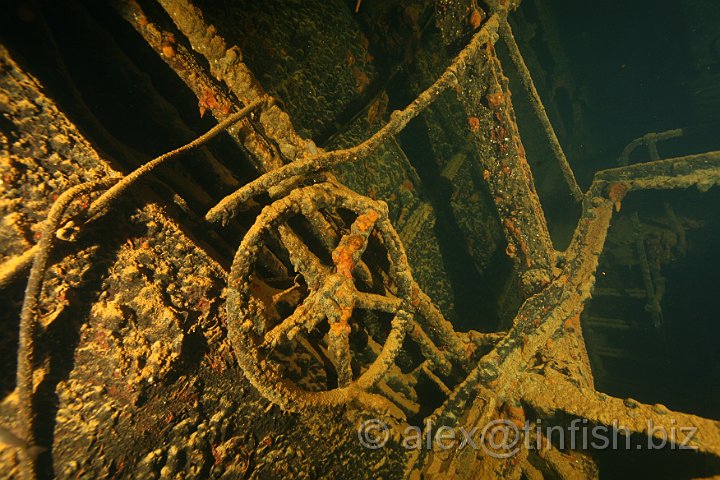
(560, 266)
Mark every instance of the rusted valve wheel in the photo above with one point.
(332, 297)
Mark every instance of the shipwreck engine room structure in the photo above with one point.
(267, 239)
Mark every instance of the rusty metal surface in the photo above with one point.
(175, 368)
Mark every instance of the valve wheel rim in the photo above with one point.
(243, 309)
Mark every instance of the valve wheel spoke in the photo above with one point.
(303, 260)
(379, 303)
(332, 297)
(305, 315)
(339, 349)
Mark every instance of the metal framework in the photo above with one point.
(539, 367)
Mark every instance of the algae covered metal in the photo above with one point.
(279, 308)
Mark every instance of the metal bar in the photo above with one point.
(225, 210)
(536, 102)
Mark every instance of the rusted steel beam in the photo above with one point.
(542, 314)
(650, 141)
(212, 97)
(690, 431)
(701, 170)
(226, 64)
(557, 309)
(398, 120)
(536, 102)
(485, 97)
